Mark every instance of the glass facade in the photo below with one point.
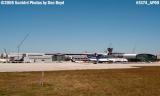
(146, 57)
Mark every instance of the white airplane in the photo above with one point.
(102, 60)
(4, 60)
(118, 60)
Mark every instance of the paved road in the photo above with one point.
(16, 67)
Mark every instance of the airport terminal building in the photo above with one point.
(85, 57)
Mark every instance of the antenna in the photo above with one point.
(20, 44)
(134, 48)
(110, 45)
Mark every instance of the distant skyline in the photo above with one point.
(80, 26)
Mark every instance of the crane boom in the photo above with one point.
(23, 40)
(20, 44)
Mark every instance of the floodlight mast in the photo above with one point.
(18, 47)
(6, 54)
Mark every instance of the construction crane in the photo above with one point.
(20, 44)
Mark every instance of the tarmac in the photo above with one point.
(26, 67)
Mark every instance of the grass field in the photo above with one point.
(120, 82)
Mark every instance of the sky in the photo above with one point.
(81, 26)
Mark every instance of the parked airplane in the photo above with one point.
(102, 60)
(4, 60)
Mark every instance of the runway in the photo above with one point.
(26, 67)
